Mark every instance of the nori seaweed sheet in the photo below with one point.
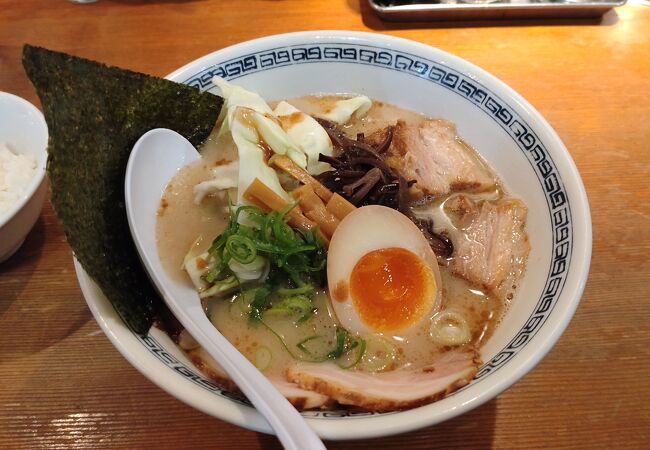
(95, 114)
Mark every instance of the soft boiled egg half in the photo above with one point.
(382, 275)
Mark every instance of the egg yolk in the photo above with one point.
(392, 288)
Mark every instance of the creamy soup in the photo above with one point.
(181, 221)
(275, 343)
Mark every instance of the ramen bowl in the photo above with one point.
(505, 129)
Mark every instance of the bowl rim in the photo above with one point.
(385, 424)
(41, 163)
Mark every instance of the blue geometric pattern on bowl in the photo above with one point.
(476, 94)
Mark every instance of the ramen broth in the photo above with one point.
(181, 220)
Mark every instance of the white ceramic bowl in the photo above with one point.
(510, 134)
(23, 129)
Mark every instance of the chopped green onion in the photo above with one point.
(317, 348)
(297, 303)
(263, 358)
(450, 328)
(379, 354)
(261, 302)
(296, 260)
(283, 232)
(341, 335)
(240, 304)
(354, 354)
(241, 248)
(296, 291)
(347, 351)
(278, 271)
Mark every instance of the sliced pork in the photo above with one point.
(388, 391)
(434, 156)
(206, 364)
(301, 399)
(492, 248)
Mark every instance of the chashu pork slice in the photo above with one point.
(389, 391)
(440, 162)
(301, 399)
(492, 248)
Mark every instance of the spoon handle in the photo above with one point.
(290, 427)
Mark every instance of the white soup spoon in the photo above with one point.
(155, 158)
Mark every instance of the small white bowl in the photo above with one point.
(23, 129)
(504, 128)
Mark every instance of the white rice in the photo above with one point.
(16, 174)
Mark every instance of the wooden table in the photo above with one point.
(63, 385)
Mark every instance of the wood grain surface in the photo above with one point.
(63, 385)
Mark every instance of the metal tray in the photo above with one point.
(407, 10)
